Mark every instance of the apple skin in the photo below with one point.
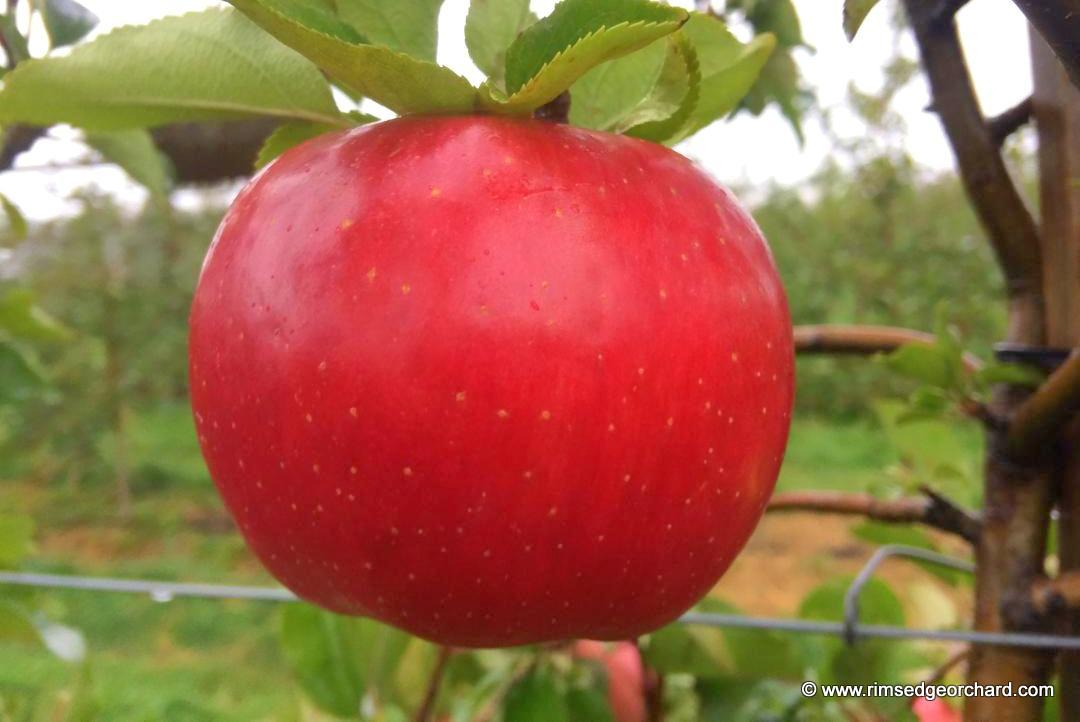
(625, 677)
(492, 381)
(937, 710)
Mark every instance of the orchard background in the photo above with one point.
(100, 472)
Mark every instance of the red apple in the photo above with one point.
(936, 710)
(492, 381)
(625, 677)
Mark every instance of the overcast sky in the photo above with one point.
(744, 150)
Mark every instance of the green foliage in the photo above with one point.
(855, 11)
(879, 244)
(729, 70)
(15, 44)
(21, 318)
(135, 152)
(21, 373)
(398, 81)
(408, 27)
(927, 363)
(201, 66)
(16, 625)
(536, 698)
(778, 81)
(66, 21)
(287, 135)
(588, 705)
(15, 219)
(665, 111)
(338, 660)
(490, 27)
(609, 92)
(550, 55)
(16, 535)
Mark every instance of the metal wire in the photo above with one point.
(167, 591)
(851, 597)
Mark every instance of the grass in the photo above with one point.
(206, 660)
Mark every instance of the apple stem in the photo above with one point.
(557, 110)
(423, 714)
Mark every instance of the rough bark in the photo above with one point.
(932, 510)
(1007, 221)
(1056, 106)
(1058, 22)
(1018, 497)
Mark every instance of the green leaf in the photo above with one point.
(398, 81)
(14, 41)
(66, 21)
(1008, 373)
(855, 12)
(867, 660)
(21, 318)
(778, 82)
(16, 221)
(755, 653)
(880, 534)
(314, 647)
(337, 660)
(20, 374)
(287, 135)
(877, 603)
(535, 698)
(588, 705)
(610, 91)
(666, 110)
(490, 27)
(135, 152)
(17, 626)
(728, 69)
(685, 649)
(16, 535)
(551, 55)
(409, 26)
(208, 65)
(929, 363)
(777, 17)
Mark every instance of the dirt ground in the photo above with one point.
(790, 554)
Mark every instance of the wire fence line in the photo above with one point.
(168, 591)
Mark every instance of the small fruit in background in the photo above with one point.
(934, 710)
(625, 676)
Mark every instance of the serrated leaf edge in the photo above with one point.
(676, 122)
(490, 95)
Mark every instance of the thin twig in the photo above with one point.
(948, 665)
(1047, 411)
(933, 510)
(1009, 224)
(864, 340)
(1011, 120)
(427, 706)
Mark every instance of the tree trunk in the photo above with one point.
(1056, 103)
